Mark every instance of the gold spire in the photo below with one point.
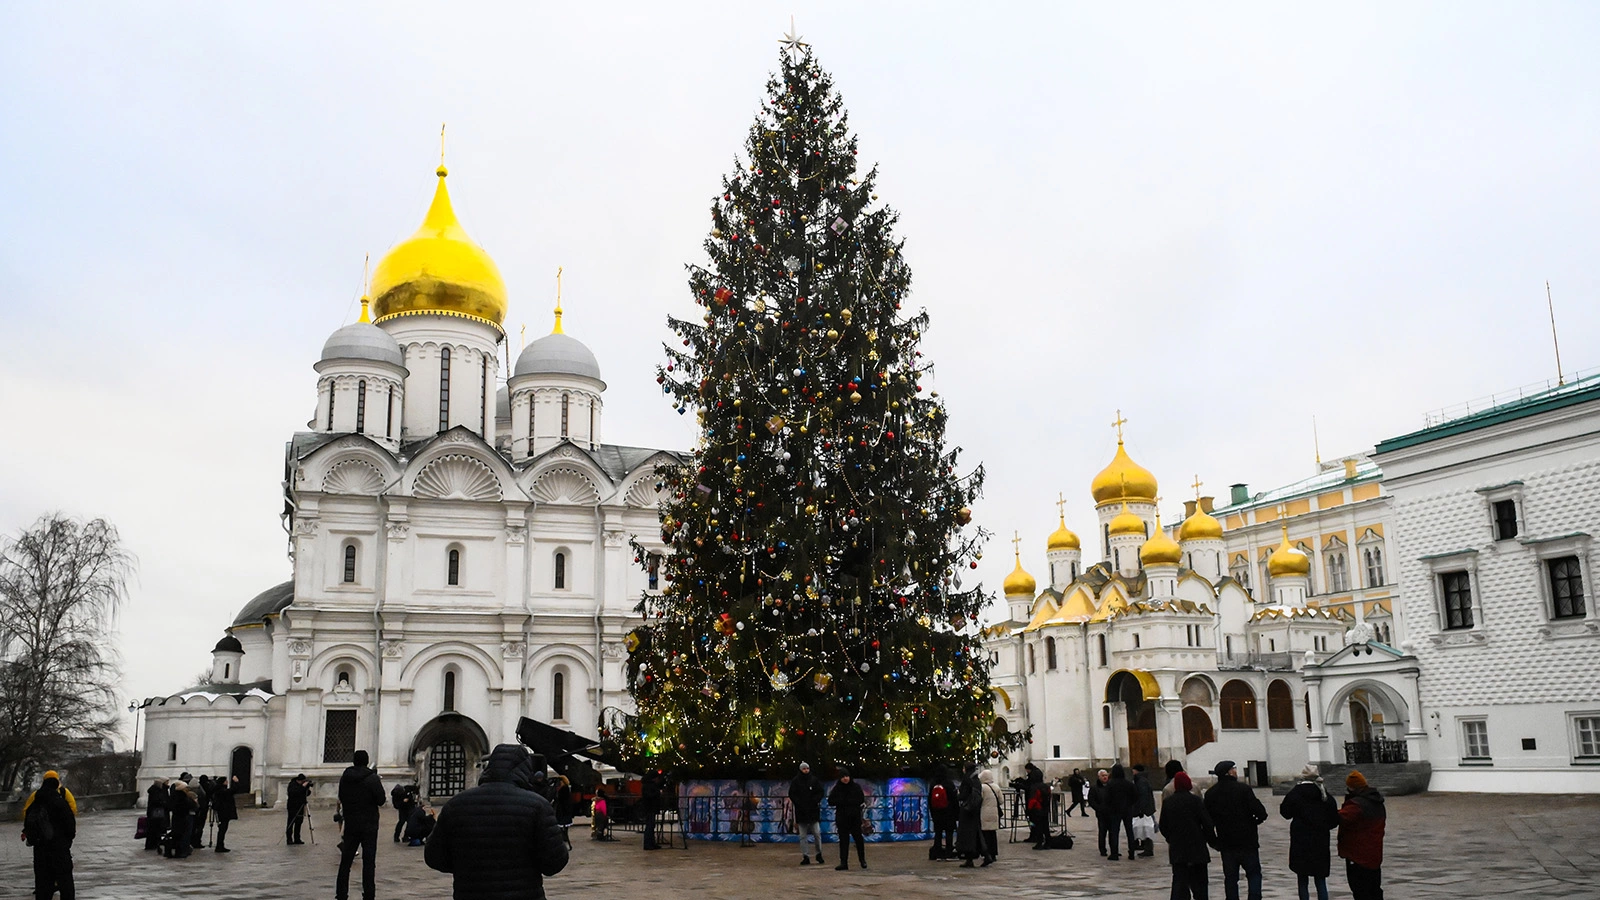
(1123, 479)
(366, 287)
(439, 270)
(558, 302)
(441, 171)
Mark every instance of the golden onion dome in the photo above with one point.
(1126, 522)
(1160, 550)
(1123, 479)
(439, 270)
(1063, 538)
(1288, 561)
(1202, 526)
(1019, 582)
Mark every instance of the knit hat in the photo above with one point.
(1181, 782)
(53, 774)
(805, 767)
(1224, 767)
(1310, 773)
(1355, 781)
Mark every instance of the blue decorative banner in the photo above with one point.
(725, 809)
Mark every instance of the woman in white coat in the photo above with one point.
(989, 817)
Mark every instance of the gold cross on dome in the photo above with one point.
(1118, 425)
(1016, 543)
(1196, 486)
(1061, 504)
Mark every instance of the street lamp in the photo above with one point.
(133, 710)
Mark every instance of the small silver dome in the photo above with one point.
(557, 354)
(363, 340)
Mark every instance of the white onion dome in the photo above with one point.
(558, 354)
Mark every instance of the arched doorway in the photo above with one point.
(445, 754)
(1360, 716)
(1134, 690)
(240, 767)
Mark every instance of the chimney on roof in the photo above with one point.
(1240, 494)
(1207, 504)
(1349, 469)
(1188, 508)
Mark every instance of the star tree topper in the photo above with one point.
(791, 42)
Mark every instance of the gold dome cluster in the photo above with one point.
(439, 270)
(1288, 561)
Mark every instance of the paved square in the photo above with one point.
(1439, 846)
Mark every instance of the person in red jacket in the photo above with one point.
(1361, 821)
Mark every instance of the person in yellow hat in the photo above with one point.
(72, 802)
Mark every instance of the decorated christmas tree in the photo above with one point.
(812, 605)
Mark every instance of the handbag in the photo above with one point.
(140, 829)
(1144, 828)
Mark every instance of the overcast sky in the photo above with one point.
(1221, 219)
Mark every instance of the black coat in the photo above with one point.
(1100, 799)
(500, 839)
(297, 794)
(1120, 795)
(223, 804)
(847, 799)
(1187, 829)
(360, 797)
(805, 793)
(1147, 795)
(156, 802)
(1311, 814)
(63, 824)
(1236, 811)
(946, 817)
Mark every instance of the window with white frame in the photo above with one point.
(1475, 740)
(561, 571)
(1337, 566)
(1241, 572)
(453, 568)
(1372, 561)
(1455, 590)
(1586, 737)
(1505, 519)
(350, 563)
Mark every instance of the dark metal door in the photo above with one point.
(447, 769)
(240, 768)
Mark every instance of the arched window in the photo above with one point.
(444, 388)
(1197, 730)
(349, 563)
(333, 394)
(1105, 717)
(453, 577)
(1280, 705)
(1101, 641)
(1049, 653)
(533, 406)
(558, 696)
(591, 423)
(449, 690)
(388, 418)
(1031, 659)
(1373, 557)
(1238, 705)
(483, 408)
(561, 571)
(565, 399)
(361, 407)
(172, 752)
(227, 671)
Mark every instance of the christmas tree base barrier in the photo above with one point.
(721, 810)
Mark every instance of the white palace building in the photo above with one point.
(1426, 611)
(460, 550)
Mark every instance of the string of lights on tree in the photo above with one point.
(812, 605)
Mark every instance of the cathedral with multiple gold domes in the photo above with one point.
(459, 544)
(1155, 651)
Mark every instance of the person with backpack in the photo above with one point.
(1312, 814)
(1036, 797)
(805, 795)
(942, 812)
(49, 823)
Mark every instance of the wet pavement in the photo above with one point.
(1439, 846)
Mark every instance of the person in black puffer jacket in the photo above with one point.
(360, 796)
(500, 839)
(1236, 811)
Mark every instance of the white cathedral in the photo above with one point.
(1159, 650)
(460, 551)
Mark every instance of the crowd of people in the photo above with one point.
(182, 813)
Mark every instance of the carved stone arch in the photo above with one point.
(333, 654)
(643, 494)
(584, 658)
(457, 476)
(353, 476)
(565, 485)
(315, 467)
(459, 649)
